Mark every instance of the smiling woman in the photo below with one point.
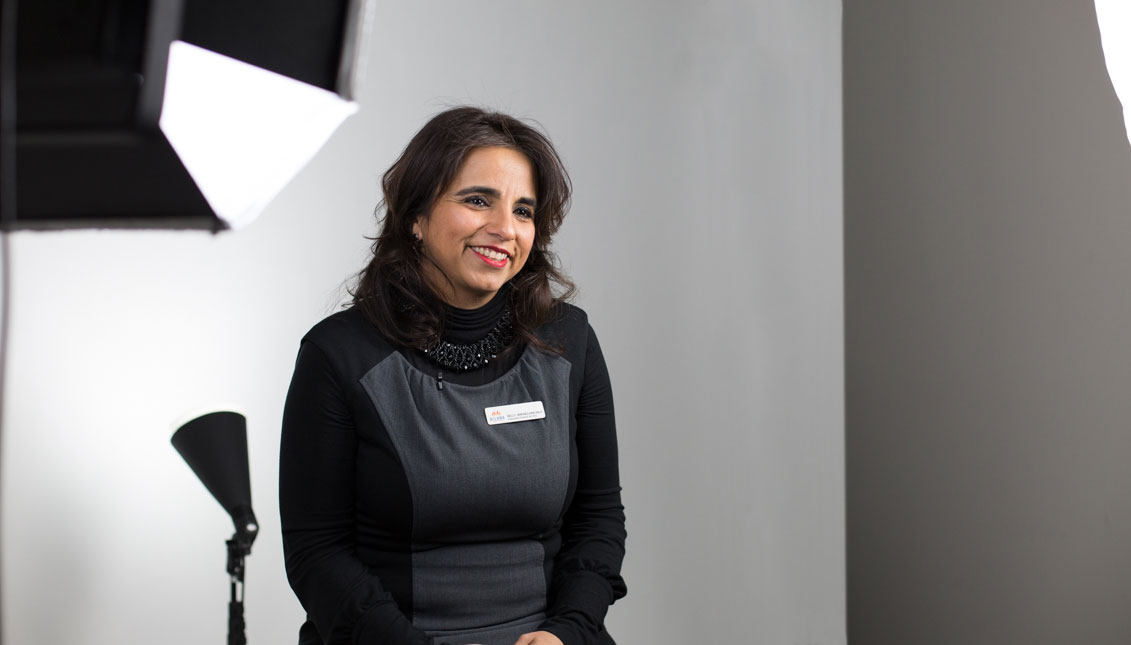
(448, 468)
(478, 235)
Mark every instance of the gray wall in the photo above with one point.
(988, 190)
(705, 148)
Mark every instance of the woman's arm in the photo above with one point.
(316, 503)
(586, 577)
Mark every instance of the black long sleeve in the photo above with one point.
(587, 569)
(316, 503)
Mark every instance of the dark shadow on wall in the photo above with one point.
(988, 249)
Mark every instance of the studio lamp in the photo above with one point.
(215, 447)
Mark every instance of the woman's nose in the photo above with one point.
(501, 224)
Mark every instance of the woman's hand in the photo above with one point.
(538, 638)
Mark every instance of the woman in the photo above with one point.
(448, 470)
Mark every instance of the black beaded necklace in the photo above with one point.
(463, 357)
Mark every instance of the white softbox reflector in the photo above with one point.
(242, 132)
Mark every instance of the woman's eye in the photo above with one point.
(476, 200)
(524, 213)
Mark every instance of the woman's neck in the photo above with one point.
(469, 325)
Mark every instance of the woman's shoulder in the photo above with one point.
(567, 329)
(564, 318)
(346, 321)
(346, 331)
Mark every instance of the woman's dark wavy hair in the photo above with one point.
(392, 291)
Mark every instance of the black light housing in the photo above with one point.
(81, 90)
(215, 447)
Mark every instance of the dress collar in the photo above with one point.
(470, 325)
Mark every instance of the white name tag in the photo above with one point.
(515, 413)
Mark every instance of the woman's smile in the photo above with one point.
(492, 256)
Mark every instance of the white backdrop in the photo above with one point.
(705, 148)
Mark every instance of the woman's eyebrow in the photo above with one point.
(483, 190)
(494, 193)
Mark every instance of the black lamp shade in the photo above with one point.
(215, 447)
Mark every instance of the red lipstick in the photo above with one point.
(498, 264)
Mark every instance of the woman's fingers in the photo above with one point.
(538, 638)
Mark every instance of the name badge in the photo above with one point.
(515, 413)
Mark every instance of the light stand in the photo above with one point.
(215, 447)
(237, 549)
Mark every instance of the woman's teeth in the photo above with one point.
(494, 255)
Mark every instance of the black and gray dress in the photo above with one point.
(408, 519)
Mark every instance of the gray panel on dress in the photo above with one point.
(505, 634)
(473, 590)
(481, 495)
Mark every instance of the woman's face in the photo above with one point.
(479, 233)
